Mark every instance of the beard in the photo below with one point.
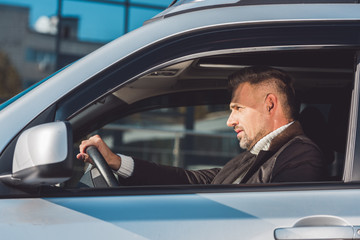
(247, 143)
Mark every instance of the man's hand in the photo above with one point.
(113, 160)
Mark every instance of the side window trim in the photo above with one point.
(352, 158)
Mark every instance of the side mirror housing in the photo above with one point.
(43, 155)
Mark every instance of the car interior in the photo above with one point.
(176, 114)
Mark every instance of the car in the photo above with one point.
(160, 93)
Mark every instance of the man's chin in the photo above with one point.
(244, 146)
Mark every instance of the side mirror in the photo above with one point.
(43, 155)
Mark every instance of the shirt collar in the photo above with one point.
(264, 143)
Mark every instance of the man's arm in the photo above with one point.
(149, 173)
(144, 172)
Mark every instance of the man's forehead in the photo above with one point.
(246, 94)
(241, 91)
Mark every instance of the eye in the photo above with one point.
(238, 108)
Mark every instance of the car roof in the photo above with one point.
(184, 6)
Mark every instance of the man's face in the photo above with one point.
(248, 116)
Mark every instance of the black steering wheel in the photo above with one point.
(102, 166)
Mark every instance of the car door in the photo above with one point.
(284, 211)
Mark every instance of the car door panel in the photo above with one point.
(37, 218)
(236, 215)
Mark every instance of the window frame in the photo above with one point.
(150, 58)
(352, 159)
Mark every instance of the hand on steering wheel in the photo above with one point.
(102, 166)
(94, 150)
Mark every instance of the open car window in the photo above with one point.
(176, 115)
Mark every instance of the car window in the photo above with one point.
(176, 115)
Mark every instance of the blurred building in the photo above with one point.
(33, 53)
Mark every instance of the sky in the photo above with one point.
(97, 22)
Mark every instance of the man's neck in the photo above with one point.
(264, 143)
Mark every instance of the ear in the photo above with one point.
(271, 103)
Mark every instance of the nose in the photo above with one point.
(231, 122)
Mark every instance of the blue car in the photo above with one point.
(160, 93)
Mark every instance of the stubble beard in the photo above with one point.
(244, 142)
(247, 143)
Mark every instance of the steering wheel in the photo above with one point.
(102, 166)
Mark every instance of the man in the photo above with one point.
(263, 112)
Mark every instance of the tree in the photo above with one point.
(10, 83)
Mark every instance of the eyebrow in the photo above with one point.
(233, 105)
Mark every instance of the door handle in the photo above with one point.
(318, 227)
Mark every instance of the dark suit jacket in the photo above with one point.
(292, 157)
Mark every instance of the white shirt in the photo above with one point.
(264, 143)
(127, 166)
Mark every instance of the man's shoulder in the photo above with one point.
(302, 141)
(300, 160)
(300, 149)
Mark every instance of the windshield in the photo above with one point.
(13, 99)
